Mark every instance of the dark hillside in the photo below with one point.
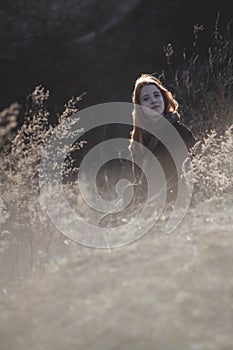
(100, 48)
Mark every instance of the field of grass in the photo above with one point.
(163, 291)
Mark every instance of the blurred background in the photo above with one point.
(96, 47)
(173, 290)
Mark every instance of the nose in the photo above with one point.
(153, 99)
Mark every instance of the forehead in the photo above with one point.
(149, 89)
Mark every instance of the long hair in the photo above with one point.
(170, 103)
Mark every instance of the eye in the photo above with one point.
(145, 99)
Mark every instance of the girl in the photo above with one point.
(149, 92)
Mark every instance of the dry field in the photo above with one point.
(164, 291)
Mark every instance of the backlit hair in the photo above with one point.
(171, 105)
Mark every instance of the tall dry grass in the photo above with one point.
(205, 91)
(204, 83)
(204, 88)
(22, 148)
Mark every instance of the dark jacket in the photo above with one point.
(186, 134)
(164, 156)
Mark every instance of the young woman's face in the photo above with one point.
(151, 97)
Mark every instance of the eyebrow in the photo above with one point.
(155, 92)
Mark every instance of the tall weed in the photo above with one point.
(206, 91)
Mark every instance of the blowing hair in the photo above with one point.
(171, 105)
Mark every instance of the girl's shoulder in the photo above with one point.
(184, 131)
(186, 134)
(172, 117)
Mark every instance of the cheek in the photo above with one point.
(144, 103)
(163, 103)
